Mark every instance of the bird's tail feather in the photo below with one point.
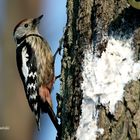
(47, 109)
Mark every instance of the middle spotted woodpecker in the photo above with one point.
(35, 64)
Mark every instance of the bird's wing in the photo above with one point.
(26, 63)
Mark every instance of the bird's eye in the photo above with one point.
(26, 25)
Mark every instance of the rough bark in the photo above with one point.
(78, 35)
(88, 22)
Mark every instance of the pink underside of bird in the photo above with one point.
(45, 92)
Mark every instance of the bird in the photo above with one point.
(35, 63)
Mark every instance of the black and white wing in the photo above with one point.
(26, 63)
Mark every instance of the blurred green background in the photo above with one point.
(15, 114)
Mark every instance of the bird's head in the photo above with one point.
(26, 27)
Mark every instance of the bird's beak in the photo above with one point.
(36, 21)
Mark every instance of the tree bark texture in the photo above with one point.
(88, 21)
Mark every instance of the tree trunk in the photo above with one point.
(91, 24)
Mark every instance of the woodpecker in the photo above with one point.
(35, 63)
